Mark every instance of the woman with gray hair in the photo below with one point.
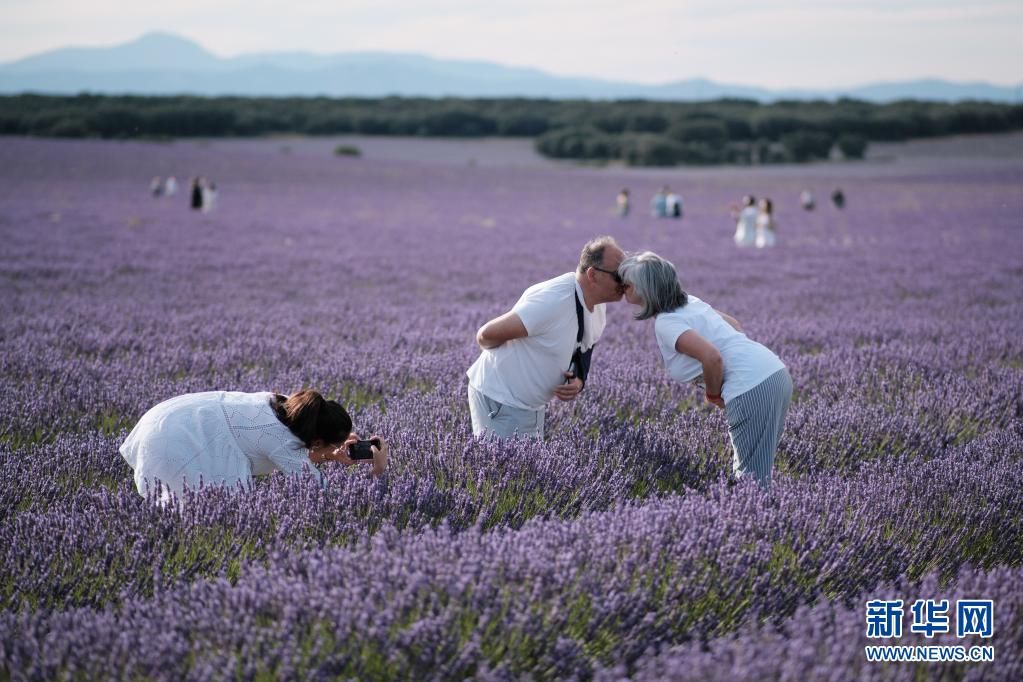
(699, 344)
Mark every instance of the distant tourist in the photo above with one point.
(806, 200)
(673, 205)
(156, 186)
(838, 198)
(196, 195)
(700, 345)
(170, 187)
(659, 204)
(745, 216)
(765, 225)
(209, 195)
(622, 202)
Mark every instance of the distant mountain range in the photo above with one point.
(165, 64)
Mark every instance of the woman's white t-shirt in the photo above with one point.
(747, 363)
(218, 437)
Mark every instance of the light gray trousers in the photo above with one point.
(494, 419)
(756, 420)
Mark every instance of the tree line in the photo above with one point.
(638, 132)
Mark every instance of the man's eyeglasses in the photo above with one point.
(613, 273)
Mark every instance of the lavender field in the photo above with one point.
(616, 548)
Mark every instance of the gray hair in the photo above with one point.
(655, 281)
(593, 252)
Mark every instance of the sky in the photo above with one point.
(767, 43)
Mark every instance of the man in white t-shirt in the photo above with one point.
(540, 349)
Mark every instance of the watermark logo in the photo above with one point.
(973, 618)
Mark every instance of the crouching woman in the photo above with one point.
(227, 438)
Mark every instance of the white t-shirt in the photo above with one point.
(524, 372)
(747, 363)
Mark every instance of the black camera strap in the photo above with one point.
(580, 359)
(578, 318)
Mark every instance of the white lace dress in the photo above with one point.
(746, 226)
(765, 231)
(220, 437)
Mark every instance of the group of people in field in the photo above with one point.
(754, 221)
(755, 224)
(202, 195)
(808, 203)
(540, 349)
(664, 204)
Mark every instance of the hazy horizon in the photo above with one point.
(767, 43)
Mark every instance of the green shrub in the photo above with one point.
(653, 151)
(70, 127)
(329, 125)
(806, 145)
(852, 146)
(457, 123)
(699, 153)
(647, 123)
(12, 125)
(740, 153)
(773, 126)
(347, 150)
(710, 132)
(576, 143)
(523, 125)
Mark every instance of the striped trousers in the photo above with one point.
(756, 420)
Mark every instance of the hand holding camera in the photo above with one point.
(374, 449)
(363, 449)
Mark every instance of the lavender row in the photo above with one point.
(827, 641)
(605, 585)
(665, 430)
(850, 405)
(552, 599)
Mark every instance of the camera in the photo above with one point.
(363, 449)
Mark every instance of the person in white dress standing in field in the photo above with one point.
(746, 221)
(701, 345)
(765, 232)
(209, 195)
(226, 438)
